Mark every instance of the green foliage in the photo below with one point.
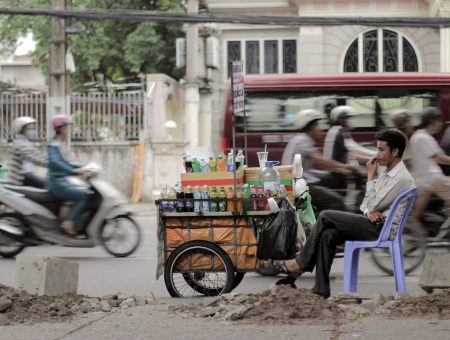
(105, 49)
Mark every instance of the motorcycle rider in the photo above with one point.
(59, 168)
(339, 143)
(307, 122)
(401, 119)
(24, 156)
(426, 155)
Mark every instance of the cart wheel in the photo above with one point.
(198, 268)
(238, 278)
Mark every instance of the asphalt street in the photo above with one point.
(100, 273)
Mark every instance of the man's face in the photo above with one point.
(437, 126)
(385, 155)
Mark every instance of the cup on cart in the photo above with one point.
(262, 158)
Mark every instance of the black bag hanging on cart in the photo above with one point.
(278, 236)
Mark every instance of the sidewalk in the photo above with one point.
(156, 322)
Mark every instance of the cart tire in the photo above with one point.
(238, 278)
(190, 282)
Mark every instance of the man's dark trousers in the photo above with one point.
(332, 228)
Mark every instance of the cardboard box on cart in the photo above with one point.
(212, 179)
(251, 177)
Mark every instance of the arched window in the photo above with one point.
(381, 50)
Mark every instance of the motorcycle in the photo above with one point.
(30, 217)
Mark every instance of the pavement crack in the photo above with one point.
(81, 327)
(336, 331)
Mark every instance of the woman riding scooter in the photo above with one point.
(24, 156)
(59, 168)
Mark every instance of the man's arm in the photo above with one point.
(329, 164)
(29, 154)
(442, 158)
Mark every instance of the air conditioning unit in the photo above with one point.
(180, 49)
(212, 52)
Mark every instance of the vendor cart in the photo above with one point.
(207, 253)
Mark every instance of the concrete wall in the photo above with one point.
(118, 162)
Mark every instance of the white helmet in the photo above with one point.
(342, 111)
(19, 123)
(399, 117)
(305, 117)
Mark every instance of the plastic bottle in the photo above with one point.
(189, 199)
(246, 196)
(221, 164)
(205, 196)
(268, 195)
(195, 165)
(269, 177)
(230, 165)
(212, 164)
(253, 198)
(184, 162)
(172, 197)
(239, 201)
(240, 160)
(180, 200)
(188, 165)
(222, 200)
(204, 165)
(213, 199)
(261, 203)
(197, 199)
(282, 193)
(163, 205)
(230, 199)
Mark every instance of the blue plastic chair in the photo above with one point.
(352, 248)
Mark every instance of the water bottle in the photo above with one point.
(230, 165)
(204, 165)
(205, 203)
(269, 178)
(172, 196)
(197, 199)
(164, 205)
(222, 200)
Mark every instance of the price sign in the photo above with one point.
(238, 87)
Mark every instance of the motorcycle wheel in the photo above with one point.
(414, 246)
(120, 236)
(8, 246)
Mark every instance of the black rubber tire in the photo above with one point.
(414, 247)
(205, 246)
(18, 249)
(238, 276)
(133, 248)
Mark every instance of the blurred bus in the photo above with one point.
(271, 102)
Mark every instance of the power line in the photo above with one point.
(164, 17)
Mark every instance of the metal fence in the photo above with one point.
(97, 117)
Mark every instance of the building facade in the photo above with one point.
(326, 49)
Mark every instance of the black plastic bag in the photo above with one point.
(278, 236)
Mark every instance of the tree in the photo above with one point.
(104, 49)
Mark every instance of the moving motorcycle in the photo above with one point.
(31, 216)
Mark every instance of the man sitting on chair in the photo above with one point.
(335, 227)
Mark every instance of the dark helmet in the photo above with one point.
(429, 115)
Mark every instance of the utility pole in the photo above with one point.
(192, 96)
(59, 85)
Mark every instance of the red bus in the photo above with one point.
(273, 100)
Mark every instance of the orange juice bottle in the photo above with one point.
(221, 164)
(230, 201)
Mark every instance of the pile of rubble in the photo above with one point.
(18, 306)
(283, 304)
(280, 304)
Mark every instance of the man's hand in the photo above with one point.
(79, 171)
(371, 168)
(375, 217)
